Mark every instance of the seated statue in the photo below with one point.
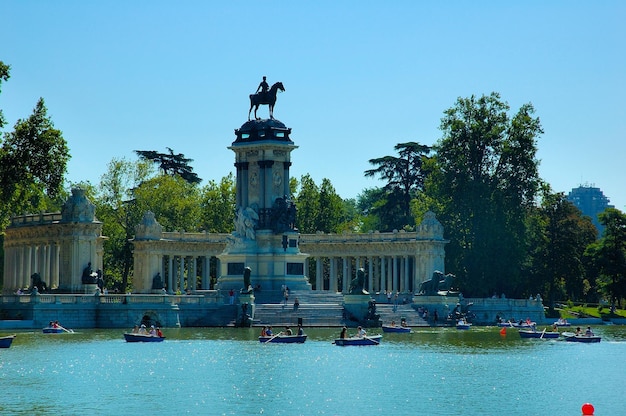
(430, 287)
(89, 277)
(157, 282)
(445, 284)
(357, 285)
(37, 283)
(247, 286)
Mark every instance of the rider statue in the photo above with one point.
(263, 87)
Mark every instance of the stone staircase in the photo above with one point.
(316, 309)
(388, 314)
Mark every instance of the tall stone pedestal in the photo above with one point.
(356, 307)
(272, 264)
(245, 312)
(265, 238)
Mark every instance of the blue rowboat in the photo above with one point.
(284, 339)
(5, 342)
(142, 338)
(572, 337)
(51, 330)
(368, 340)
(538, 334)
(389, 328)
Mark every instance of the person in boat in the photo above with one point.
(159, 333)
(344, 332)
(393, 323)
(588, 332)
(264, 331)
(300, 330)
(578, 331)
(143, 330)
(135, 329)
(360, 332)
(153, 331)
(287, 331)
(269, 332)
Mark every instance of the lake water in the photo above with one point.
(226, 371)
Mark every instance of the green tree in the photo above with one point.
(218, 205)
(404, 176)
(5, 74)
(558, 249)
(171, 164)
(307, 205)
(33, 163)
(485, 181)
(174, 201)
(331, 209)
(609, 255)
(116, 208)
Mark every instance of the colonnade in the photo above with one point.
(384, 273)
(180, 273)
(21, 262)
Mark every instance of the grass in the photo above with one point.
(584, 311)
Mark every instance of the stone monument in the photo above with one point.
(265, 239)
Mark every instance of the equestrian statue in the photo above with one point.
(265, 96)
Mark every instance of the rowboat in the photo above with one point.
(142, 338)
(562, 322)
(529, 333)
(510, 324)
(5, 342)
(572, 337)
(368, 340)
(52, 330)
(463, 325)
(284, 339)
(394, 328)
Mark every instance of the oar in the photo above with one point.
(544, 331)
(66, 330)
(373, 340)
(269, 340)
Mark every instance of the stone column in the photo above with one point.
(181, 274)
(170, 275)
(407, 287)
(319, 276)
(370, 275)
(206, 282)
(332, 278)
(396, 277)
(286, 190)
(345, 275)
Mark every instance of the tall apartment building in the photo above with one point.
(591, 201)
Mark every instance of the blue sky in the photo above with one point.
(360, 77)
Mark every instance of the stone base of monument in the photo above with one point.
(245, 311)
(356, 305)
(89, 288)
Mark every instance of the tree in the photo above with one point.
(331, 213)
(171, 164)
(117, 209)
(33, 163)
(609, 255)
(307, 206)
(174, 202)
(405, 177)
(484, 182)
(5, 74)
(218, 206)
(558, 249)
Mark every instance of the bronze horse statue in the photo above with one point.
(268, 98)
